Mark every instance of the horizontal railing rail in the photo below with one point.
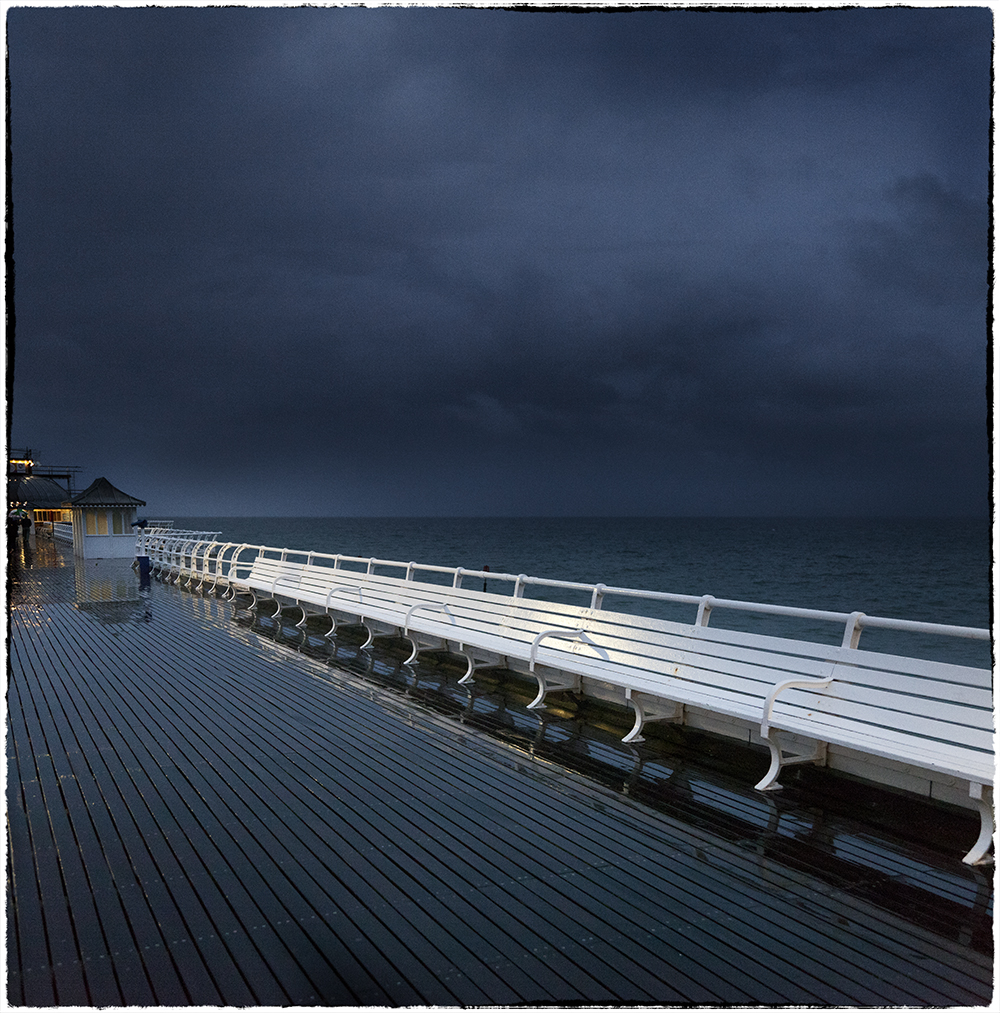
(200, 553)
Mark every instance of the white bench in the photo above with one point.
(931, 715)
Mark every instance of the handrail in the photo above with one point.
(145, 536)
(853, 622)
(234, 562)
(221, 554)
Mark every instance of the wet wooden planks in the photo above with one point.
(201, 816)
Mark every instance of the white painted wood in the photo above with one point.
(420, 607)
(922, 714)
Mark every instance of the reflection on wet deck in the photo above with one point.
(209, 809)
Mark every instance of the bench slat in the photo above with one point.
(713, 638)
(848, 697)
(522, 624)
(956, 760)
(930, 714)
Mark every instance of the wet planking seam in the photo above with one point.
(101, 797)
(109, 803)
(265, 922)
(175, 758)
(15, 989)
(82, 861)
(117, 880)
(221, 932)
(45, 816)
(180, 838)
(29, 924)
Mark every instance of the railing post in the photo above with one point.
(597, 598)
(704, 610)
(852, 631)
(459, 571)
(519, 585)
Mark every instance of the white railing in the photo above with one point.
(197, 553)
(170, 546)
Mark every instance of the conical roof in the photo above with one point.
(101, 493)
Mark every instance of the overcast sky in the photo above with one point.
(451, 261)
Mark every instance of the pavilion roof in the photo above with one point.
(101, 493)
(38, 491)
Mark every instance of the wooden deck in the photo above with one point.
(202, 812)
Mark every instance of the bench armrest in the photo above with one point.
(780, 687)
(549, 633)
(277, 580)
(441, 607)
(343, 587)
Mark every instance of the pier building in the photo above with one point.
(43, 493)
(102, 522)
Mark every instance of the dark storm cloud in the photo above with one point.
(933, 250)
(493, 261)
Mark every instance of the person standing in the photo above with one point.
(13, 525)
(26, 532)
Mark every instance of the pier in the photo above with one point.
(209, 808)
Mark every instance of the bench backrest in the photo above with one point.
(618, 647)
(893, 703)
(879, 697)
(933, 712)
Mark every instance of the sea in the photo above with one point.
(930, 569)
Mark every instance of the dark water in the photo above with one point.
(935, 570)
